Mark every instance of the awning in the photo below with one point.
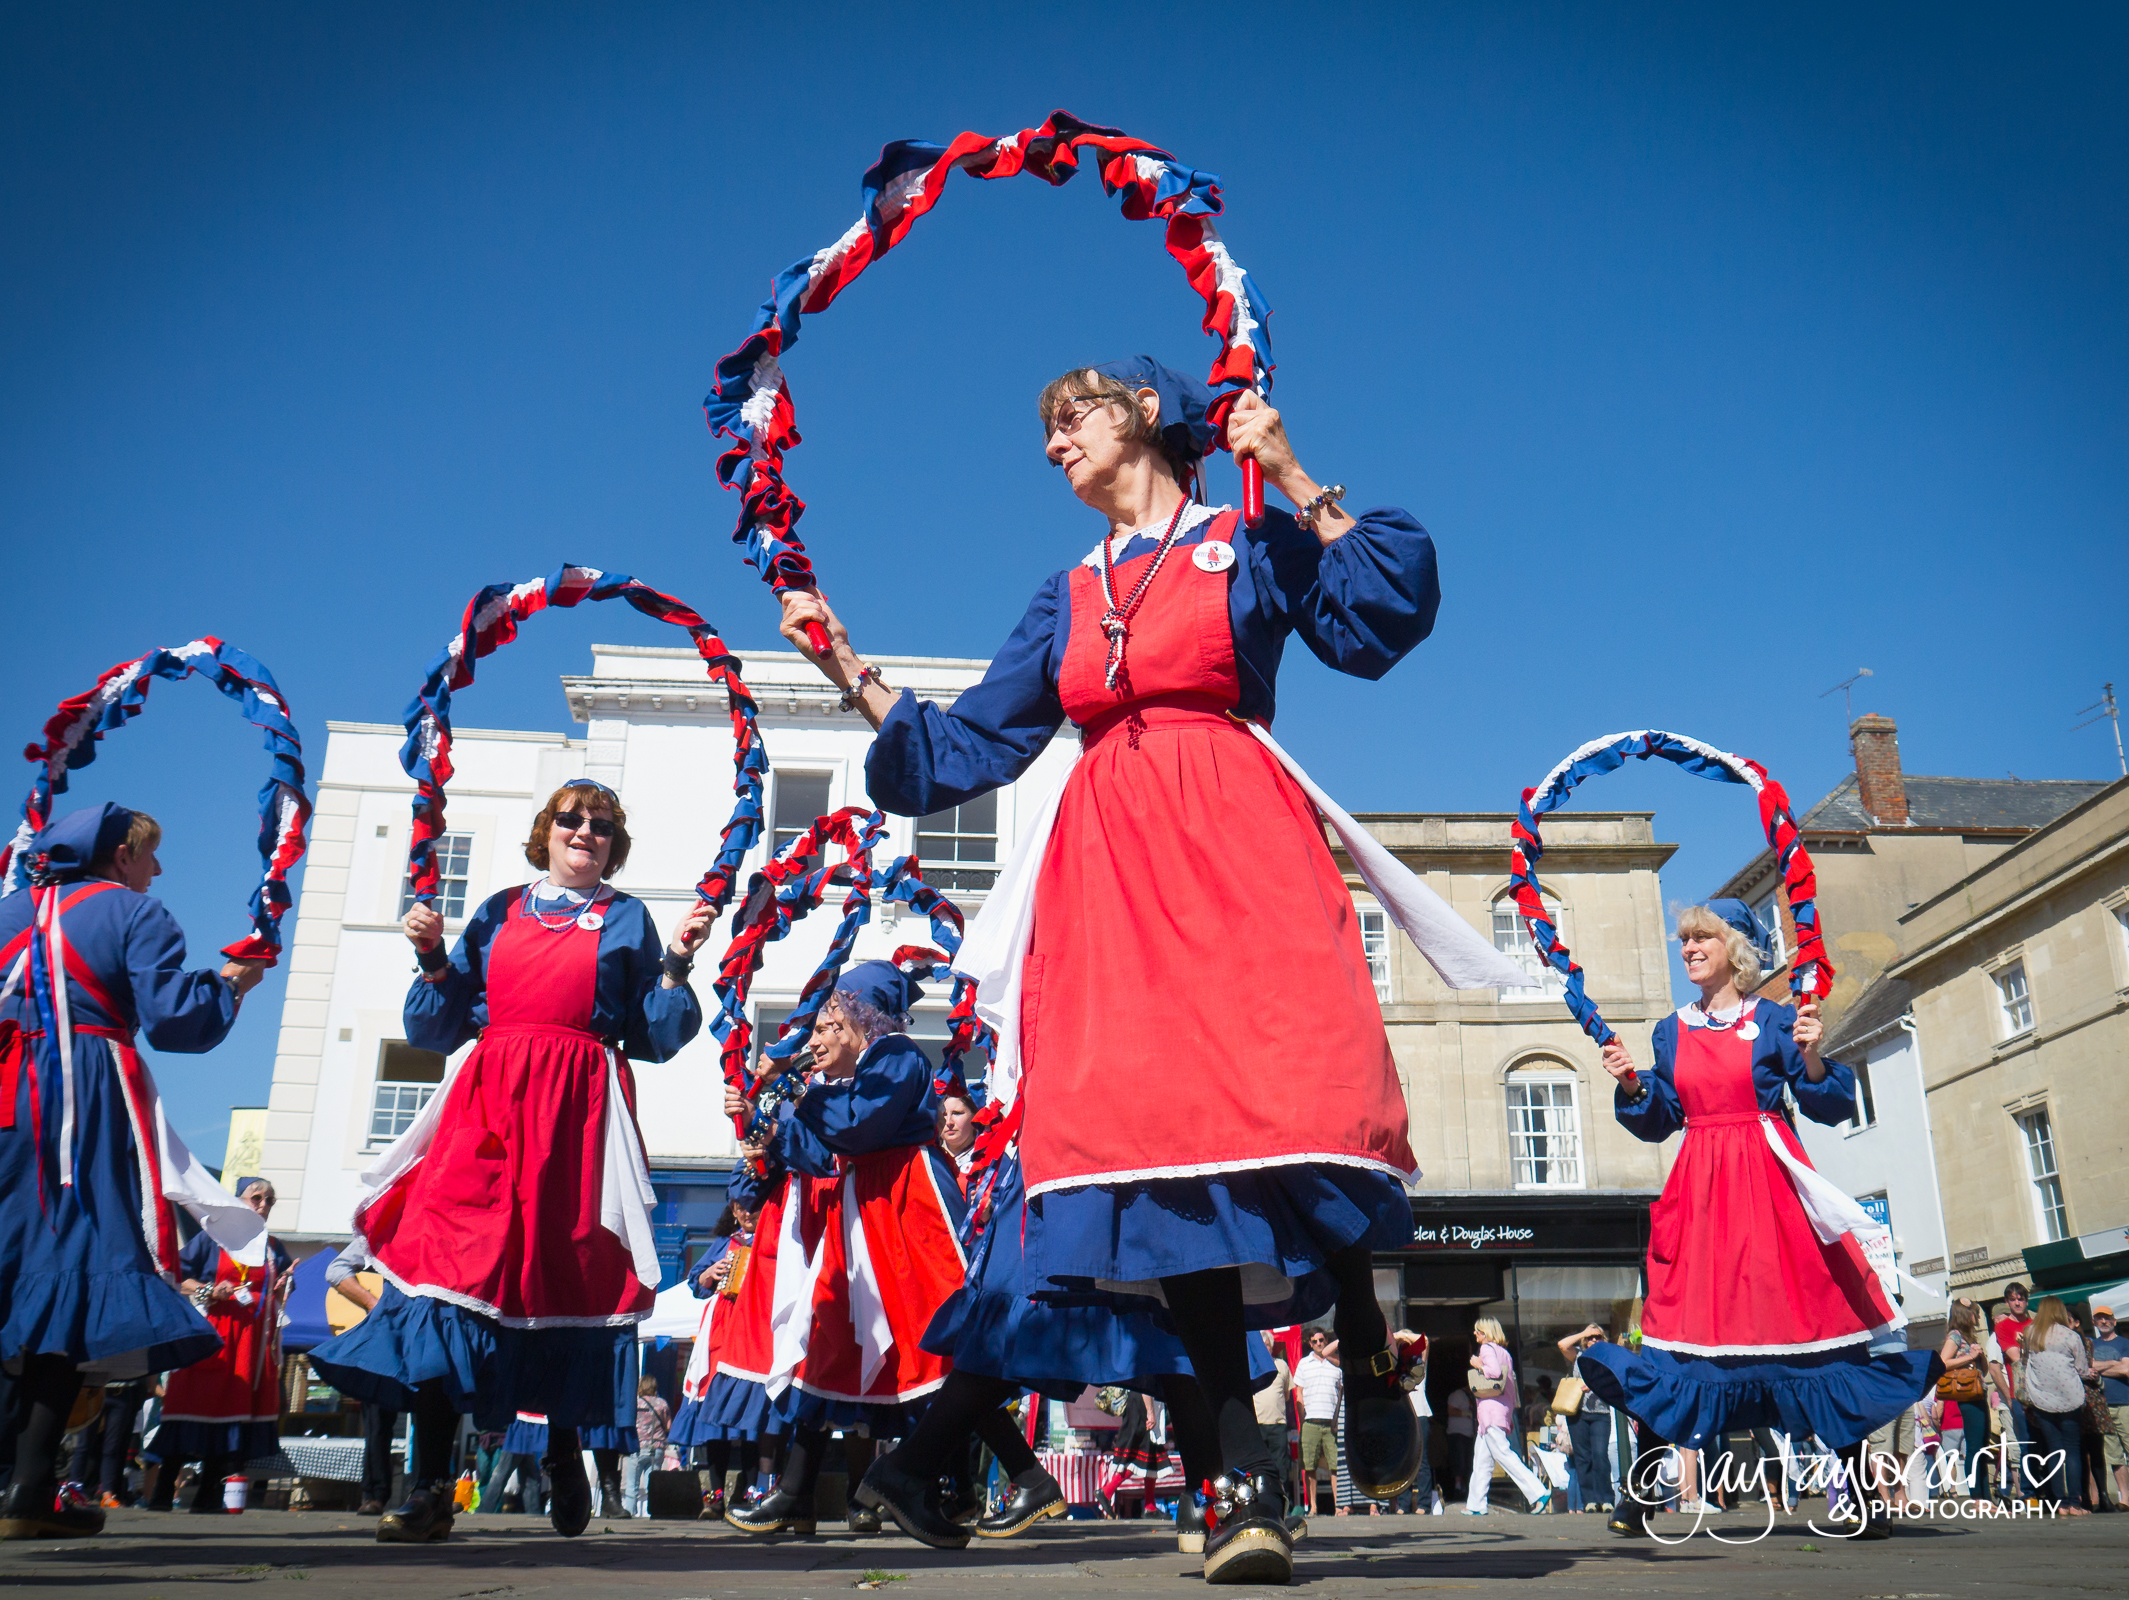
(307, 1323)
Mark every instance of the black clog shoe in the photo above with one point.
(424, 1519)
(778, 1511)
(1382, 1438)
(48, 1511)
(1189, 1526)
(1246, 1538)
(1021, 1509)
(569, 1507)
(894, 1493)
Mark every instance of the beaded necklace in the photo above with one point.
(585, 914)
(1116, 621)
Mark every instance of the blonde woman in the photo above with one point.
(2056, 1368)
(1752, 1320)
(1493, 1382)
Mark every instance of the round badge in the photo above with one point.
(1748, 1030)
(1215, 555)
(591, 922)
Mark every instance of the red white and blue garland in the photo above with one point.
(120, 695)
(491, 620)
(1809, 970)
(751, 403)
(793, 882)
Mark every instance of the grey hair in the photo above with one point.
(868, 1018)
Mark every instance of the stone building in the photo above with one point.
(2017, 979)
(1534, 1201)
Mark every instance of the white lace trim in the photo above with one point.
(1206, 1169)
(899, 1397)
(466, 1302)
(1813, 1348)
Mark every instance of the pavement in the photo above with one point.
(146, 1555)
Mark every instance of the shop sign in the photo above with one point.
(1473, 1236)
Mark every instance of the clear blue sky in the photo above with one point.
(1723, 349)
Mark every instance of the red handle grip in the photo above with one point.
(1252, 492)
(817, 636)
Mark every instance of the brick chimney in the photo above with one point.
(1876, 741)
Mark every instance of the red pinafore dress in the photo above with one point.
(502, 1213)
(240, 1384)
(1734, 1265)
(1195, 948)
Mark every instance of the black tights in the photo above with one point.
(802, 1463)
(967, 1403)
(1207, 1310)
(435, 1432)
(44, 1396)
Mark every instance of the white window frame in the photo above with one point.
(2051, 1213)
(2014, 998)
(938, 870)
(1546, 984)
(776, 798)
(454, 848)
(408, 1097)
(1375, 944)
(1525, 1138)
(1865, 1114)
(1769, 911)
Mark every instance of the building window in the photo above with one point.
(406, 1078)
(801, 800)
(2121, 926)
(1375, 943)
(2017, 1002)
(959, 846)
(2054, 1219)
(1511, 936)
(454, 863)
(1769, 912)
(1544, 1131)
(1865, 1114)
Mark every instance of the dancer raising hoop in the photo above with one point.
(1273, 1172)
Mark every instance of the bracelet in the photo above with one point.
(1306, 516)
(432, 959)
(677, 967)
(856, 691)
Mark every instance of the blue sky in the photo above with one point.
(1723, 349)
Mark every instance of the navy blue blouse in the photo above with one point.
(137, 951)
(1360, 603)
(886, 1103)
(1777, 1063)
(630, 1006)
(199, 1259)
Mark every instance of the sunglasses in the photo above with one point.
(570, 821)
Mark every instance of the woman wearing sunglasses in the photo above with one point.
(512, 1221)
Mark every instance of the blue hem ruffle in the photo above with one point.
(692, 1426)
(1841, 1396)
(575, 1377)
(1285, 1222)
(740, 1408)
(524, 1438)
(209, 1441)
(95, 1316)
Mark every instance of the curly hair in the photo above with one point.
(868, 1018)
(1744, 963)
(580, 795)
(1084, 383)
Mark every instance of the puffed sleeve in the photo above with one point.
(180, 1012)
(659, 1020)
(1832, 1099)
(1361, 602)
(1658, 1115)
(873, 1109)
(925, 760)
(198, 1259)
(443, 1015)
(708, 1259)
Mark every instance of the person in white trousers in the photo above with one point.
(1494, 1370)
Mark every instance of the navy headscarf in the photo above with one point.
(1740, 916)
(1183, 402)
(79, 839)
(882, 985)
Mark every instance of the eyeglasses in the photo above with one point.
(1067, 417)
(570, 821)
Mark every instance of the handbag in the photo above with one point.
(1567, 1399)
(2099, 1416)
(1485, 1388)
(1963, 1383)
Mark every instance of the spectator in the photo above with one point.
(2110, 1359)
(1589, 1427)
(1460, 1433)
(2055, 1363)
(1492, 1382)
(653, 1420)
(1322, 1385)
(957, 1132)
(1539, 1412)
(1274, 1403)
(1964, 1390)
(2010, 1334)
(379, 1423)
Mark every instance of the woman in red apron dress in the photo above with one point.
(90, 1173)
(856, 1249)
(511, 1222)
(226, 1410)
(712, 1280)
(1209, 1115)
(1754, 1316)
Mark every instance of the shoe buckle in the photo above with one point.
(1382, 1363)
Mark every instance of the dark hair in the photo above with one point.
(2010, 1289)
(583, 794)
(1084, 383)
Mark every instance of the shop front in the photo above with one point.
(1543, 1265)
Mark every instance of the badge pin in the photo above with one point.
(1748, 1031)
(1214, 555)
(591, 922)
